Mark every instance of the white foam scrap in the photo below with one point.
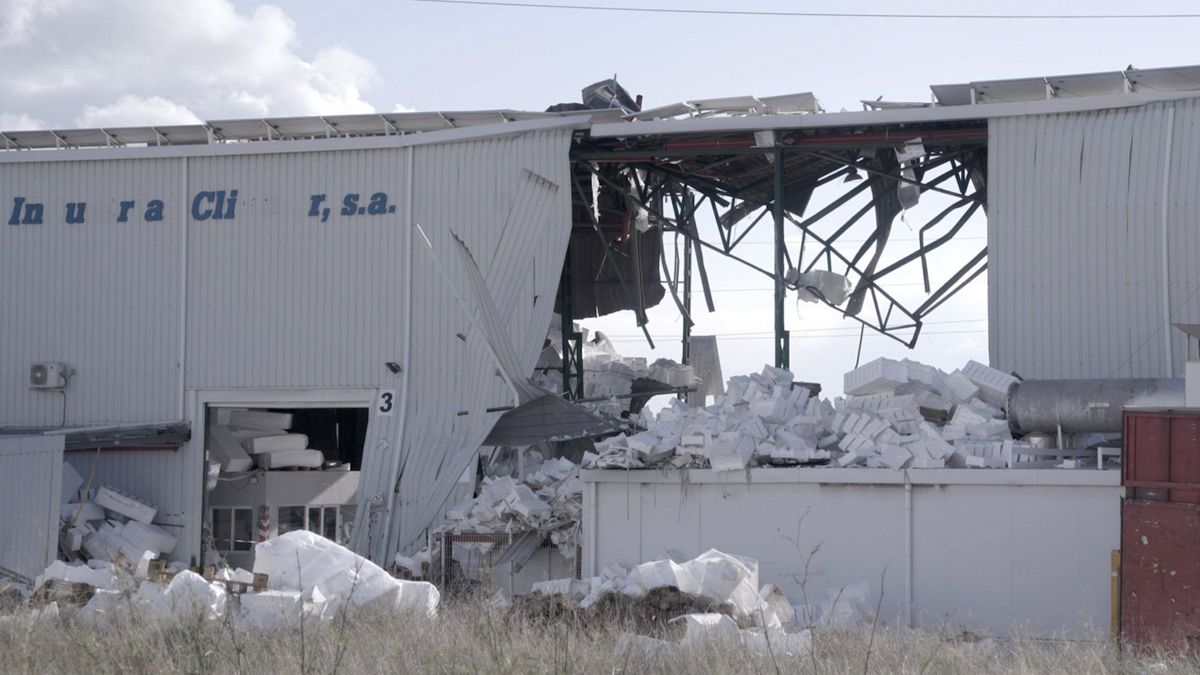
(776, 641)
(303, 561)
(226, 448)
(705, 629)
(126, 505)
(275, 443)
(260, 419)
(993, 384)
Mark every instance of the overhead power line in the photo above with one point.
(831, 15)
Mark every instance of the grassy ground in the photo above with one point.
(468, 638)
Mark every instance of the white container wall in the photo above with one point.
(994, 552)
(1092, 239)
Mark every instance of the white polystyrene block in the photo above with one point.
(879, 376)
(965, 416)
(895, 457)
(275, 443)
(987, 410)
(260, 419)
(953, 432)
(993, 384)
(779, 375)
(960, 388)
(306, 459)
(148, 537)
(226, 449)
(126, 505)
(938, 447)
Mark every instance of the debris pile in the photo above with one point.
(108, 525)
(549, 499)
(606, 373)
(297, 574)
(896, 414)
(714, 596)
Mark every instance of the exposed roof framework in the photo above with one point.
(746, 180)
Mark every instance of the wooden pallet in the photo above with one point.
(158, 573)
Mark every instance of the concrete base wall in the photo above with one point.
(996, 552)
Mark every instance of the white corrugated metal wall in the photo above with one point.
(509, 201)
(1079, 205)
(276, 300)
(30, 492)
(101, 296)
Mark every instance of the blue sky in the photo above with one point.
(113, 62)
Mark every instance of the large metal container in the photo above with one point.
(1162, 455)
(1160, 530)
(1160, 574)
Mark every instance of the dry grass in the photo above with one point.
(466, 637)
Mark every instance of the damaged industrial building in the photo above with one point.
(372, 328)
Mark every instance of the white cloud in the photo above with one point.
(19, 122)
(131, 110)
(401, 108)
(73, 60)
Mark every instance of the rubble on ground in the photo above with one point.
(895, 415)
(549, 499)
(713, 597)
(303, 575)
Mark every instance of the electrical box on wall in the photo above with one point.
(47, 375)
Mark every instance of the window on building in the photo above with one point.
(328, 521)
(233, 529)
(291, 518)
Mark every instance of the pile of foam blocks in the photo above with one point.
(548, 499)
(240, 440)
(306, 577)
(895, 415)
(109, 526)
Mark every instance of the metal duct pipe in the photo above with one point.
(1085, 406)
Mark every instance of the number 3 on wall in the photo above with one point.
(387, 403)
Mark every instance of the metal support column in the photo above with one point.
(686, 355)
(572, 342)
(782, 341)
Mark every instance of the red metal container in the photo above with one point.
(1160, 530)
(1160, 574)
(1162, 456)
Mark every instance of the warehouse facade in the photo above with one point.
(173, 281)
(318, 277)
